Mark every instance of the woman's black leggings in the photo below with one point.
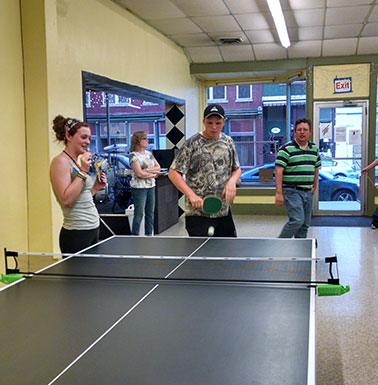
(72, 241)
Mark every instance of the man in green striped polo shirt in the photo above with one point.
(297, 170)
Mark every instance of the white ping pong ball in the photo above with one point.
(210, 232)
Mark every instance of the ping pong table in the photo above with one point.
(163, 328)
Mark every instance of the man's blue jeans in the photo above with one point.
(144, 204)
(299, 206)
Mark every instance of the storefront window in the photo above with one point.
(127, 115)
(261, 124)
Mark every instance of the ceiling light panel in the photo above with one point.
(346, 3)
(193, 40)
(305, 49)
(346, 15)
(246, 6)
(237, 53)
(307, 4)
(368, 45)
(204, 54)
(342, 31)
(309, 17)
(260, 36)
(252, 21)
(270, 51)
(370, 29)
(339, 47)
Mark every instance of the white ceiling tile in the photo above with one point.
(368, 45)
(346, 15)
(252, 21)
(197, 26)
(260, 36)
(308, 4)
(247, 6)
(237, 53)
(175, 26)
(289, 19)
(342, 31)
(370, 29)
(308, 17)
(201, 7)
(346, 3)
(193, 40)
(293, 34)
(374, 15)
(204, 54)
(305, 49)
(285, 5)
(217, 23)
(338, 47)
(269, 51)
(156, 9)
(311, 33)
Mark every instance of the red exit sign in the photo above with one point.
(342, 85)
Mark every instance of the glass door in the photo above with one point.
(340, 131)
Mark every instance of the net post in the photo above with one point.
(331, 260)
(14, 255)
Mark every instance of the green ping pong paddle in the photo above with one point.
(10, 278)
(332, 290)
(212, 204)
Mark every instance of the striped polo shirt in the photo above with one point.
(299, 165)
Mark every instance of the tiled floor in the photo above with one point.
(346, 326)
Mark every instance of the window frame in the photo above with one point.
(240, 100)
(211, 98)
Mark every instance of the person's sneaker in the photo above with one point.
(373, 226)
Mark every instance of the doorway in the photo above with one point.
(340, 131)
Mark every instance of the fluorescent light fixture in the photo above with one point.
(294, 77)
(243, 82)
(279, 21)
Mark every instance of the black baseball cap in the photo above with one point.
(214, 109)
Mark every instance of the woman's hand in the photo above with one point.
(84, 161)
(99, 184)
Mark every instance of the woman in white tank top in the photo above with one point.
(73, 187)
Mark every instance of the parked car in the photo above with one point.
(331, 188)
(339, 168)
(252, 175)
(337, 188)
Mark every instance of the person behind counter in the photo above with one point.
(146, 169)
